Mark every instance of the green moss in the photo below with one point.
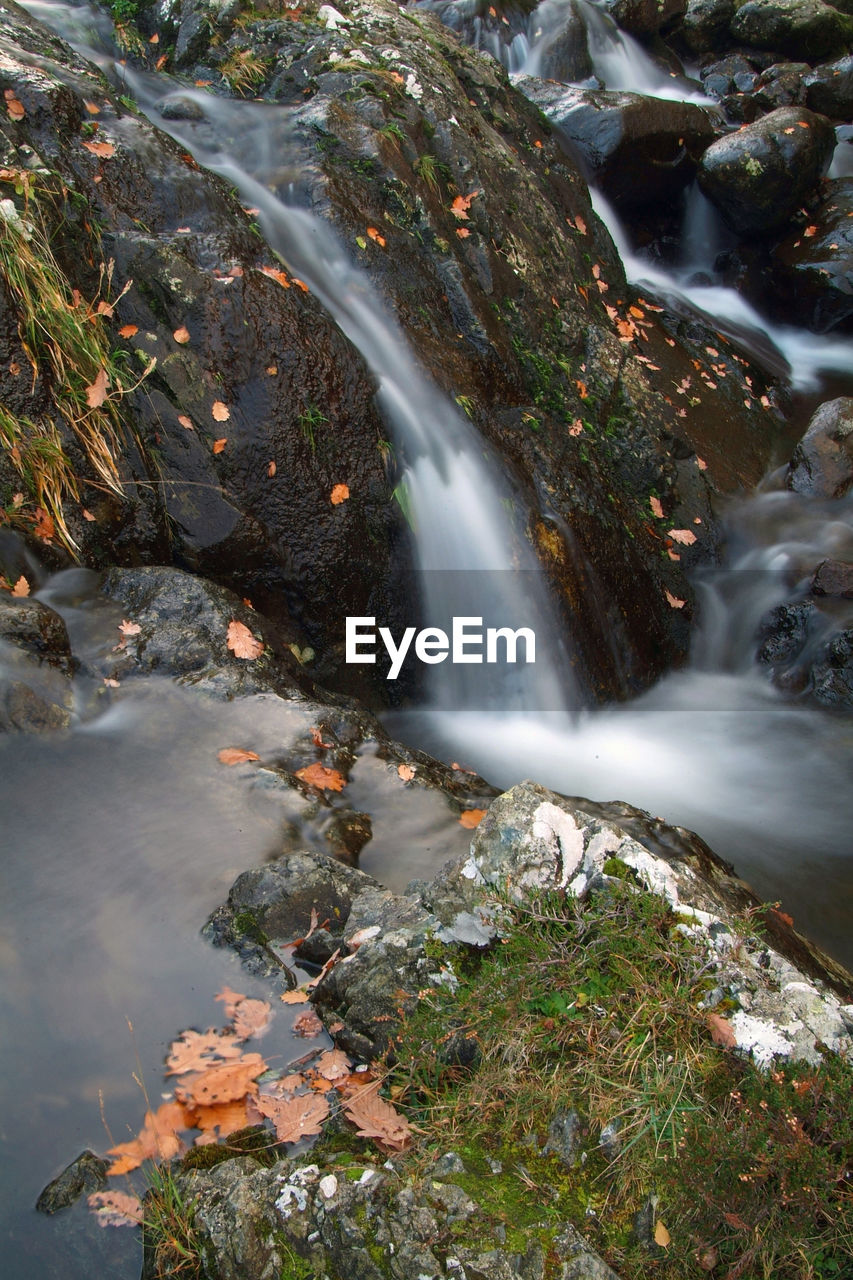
(244, 925)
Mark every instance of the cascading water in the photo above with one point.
(714, 748)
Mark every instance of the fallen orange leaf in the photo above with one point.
(102, 149)
(96, 393)
(271, 469)
(406, 772)
(339, 494)
(219, 445)
(21, 587)
(471, 818)
(236, 755)
(317, 775)
(181, 335)
(220, 411)
(241, 642)
(128, 330)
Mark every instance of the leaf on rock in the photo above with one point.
(673, 601)
(376, 235)
(685, 536)
(219, 445)
(317, 738)
(271, 468)
(182, 335)
(115, 1208)
(186, 422)
(21, 587)
(129, 628)
(242, 643)
(657, 509)
(236, 755)
(406, 772)
(14, 108)
(471, 818)
(375, 1118)
(96, 392)
(295, 997)
(279, 276)
(339, 494)
(317, 775)
(220, 411)
(101, 149)
(252, 1018)
(462, 204)
(295, 1118)
(128, 330)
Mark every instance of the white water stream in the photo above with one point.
(126, 820)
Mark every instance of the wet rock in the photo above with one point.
(705, 25)
(781, 85)
(646, 17)
(799, 28)
(810, 651)
(822, 463)
(84, 1175)
(760, 175)
(639, 149)
(23, 710)
(564, 55)
(829, 89)
(833, 578)
(832, 674)
(179, 108)
(812, 268)
(37, 630)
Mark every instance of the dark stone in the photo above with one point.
(646, 17)
(797, 28)
(812, 268)
(84, 1175)
(347, 833)
(832, 674)
(784, 632)
(178, 107)
(833, 578)
(23, 710)
(281, 895)
(37, 630)
(760, 175)
(829, 89)
(640, 150)
(565, 55)
(705, 25)
(822, 463)
(781, 85)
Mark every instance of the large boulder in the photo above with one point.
(639, 150)
(822, 463)
(813, 265)
(705, 25)
(758, 176)
(645, 17)
(798, 28)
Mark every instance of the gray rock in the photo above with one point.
(565, 1137)
(760, 175)
(821, 465)
(180, 107)
(804, 28)
(84, 1175)
(447, 1165)
(833, 578)
(581, 1260)
(37, 630)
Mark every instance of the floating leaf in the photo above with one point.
(115, 1208)
(235, 755)
(158, 1139)
(295, 997)
(241, 642)
(333, 1064)
(295, 1118)
(307, 1024)
(223, 1081)
(252, 1019)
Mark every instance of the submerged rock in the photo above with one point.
(84, 1175)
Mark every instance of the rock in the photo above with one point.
(781, 85)
(705, 25)
(812, 268)
(646, 17)
(84, 1175)
(180, 108)
(760, 175)
(833, 578)
(581, 1260)
(832, 674)
(800, 28)
(821, 465)
(639, 149)
(564, 54)
(829, 89)
(36, 630)
(565, 1137)
(451, 1163)
(810, 652)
